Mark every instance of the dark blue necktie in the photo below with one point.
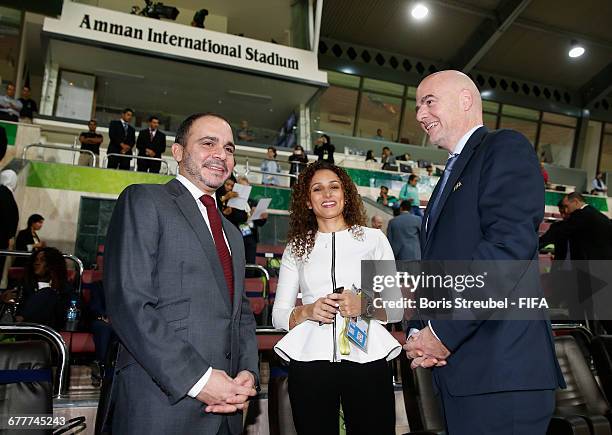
(447, 171)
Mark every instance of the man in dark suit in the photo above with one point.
(404, 232)
(174, 284)
(151, 143)
(587, 229)
(122, 139)
(492, 377)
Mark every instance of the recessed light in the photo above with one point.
(419, 11)
(576, 50)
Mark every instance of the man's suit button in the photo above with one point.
(228, 355)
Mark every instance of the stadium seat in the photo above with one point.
(601, 348)
(582, 398)
(79, 342)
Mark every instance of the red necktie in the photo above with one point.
(222, 250)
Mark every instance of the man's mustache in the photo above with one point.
(215, 162)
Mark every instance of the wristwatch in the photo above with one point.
(368, 304)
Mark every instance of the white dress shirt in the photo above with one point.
(310, 341)
(197, 193)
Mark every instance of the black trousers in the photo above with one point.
(149, 166)
(317, 388)
(116, 162)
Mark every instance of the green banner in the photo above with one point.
(11, 131)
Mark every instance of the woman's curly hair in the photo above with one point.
(302, 221)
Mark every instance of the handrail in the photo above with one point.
(61, 386)
(256, 171)
(58, 147)
(264, 272)
(131, 156)
(75, 259)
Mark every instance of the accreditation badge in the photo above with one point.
(357, 332)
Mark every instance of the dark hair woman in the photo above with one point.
(28, 240)
(327, 232)
(43, 298)
(324, 148)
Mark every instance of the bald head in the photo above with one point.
(377, 222)
(448, 106)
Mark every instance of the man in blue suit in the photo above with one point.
(491, 376)
(404, 232)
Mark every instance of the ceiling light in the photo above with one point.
(419, 11)
(576, 50)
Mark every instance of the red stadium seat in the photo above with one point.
(255, 291)
(79, 342)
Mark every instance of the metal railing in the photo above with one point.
(76, 260)
(131, 156)
(58, 147)
(248, 170)
(52, 336)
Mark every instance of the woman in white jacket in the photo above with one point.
(327, 240)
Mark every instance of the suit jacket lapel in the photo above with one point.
(190, 210)
(460, 165)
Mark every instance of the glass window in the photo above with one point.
(412, 133)
(379, 112)
(490, 121)
(605, 163)
(528, 128)
(520, 112)
(555, 118)
(10, 23)
(490, 106)
(561, 142)
(608, 127)
(383, 87)
(411, 92)
(334, 111)
(339, 79)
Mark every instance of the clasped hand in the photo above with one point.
(347, 303)
(225, 395)
(426, 350)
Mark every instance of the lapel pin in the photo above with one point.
(457, 186)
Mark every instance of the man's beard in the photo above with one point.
(192, 169)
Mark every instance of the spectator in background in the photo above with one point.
(27, 239)
(298, 160)
(151, 143)
(244, 133)
(377, 222)
(44, 295)
(370, 156)
(122, 139)
(555, 237)
(387, 200)
(101, 329)
(270, 165)
(387, 158)
(410, 193)
(587, 230)
(198, 18)
(429, 169)
(404, 232)
(544, 173)
(9, 106)
(379, 135)
(9, 213)
(251, 236)
(599, 187)
(406, 157)
(90, 141)
(28, 105)
(324, 149)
